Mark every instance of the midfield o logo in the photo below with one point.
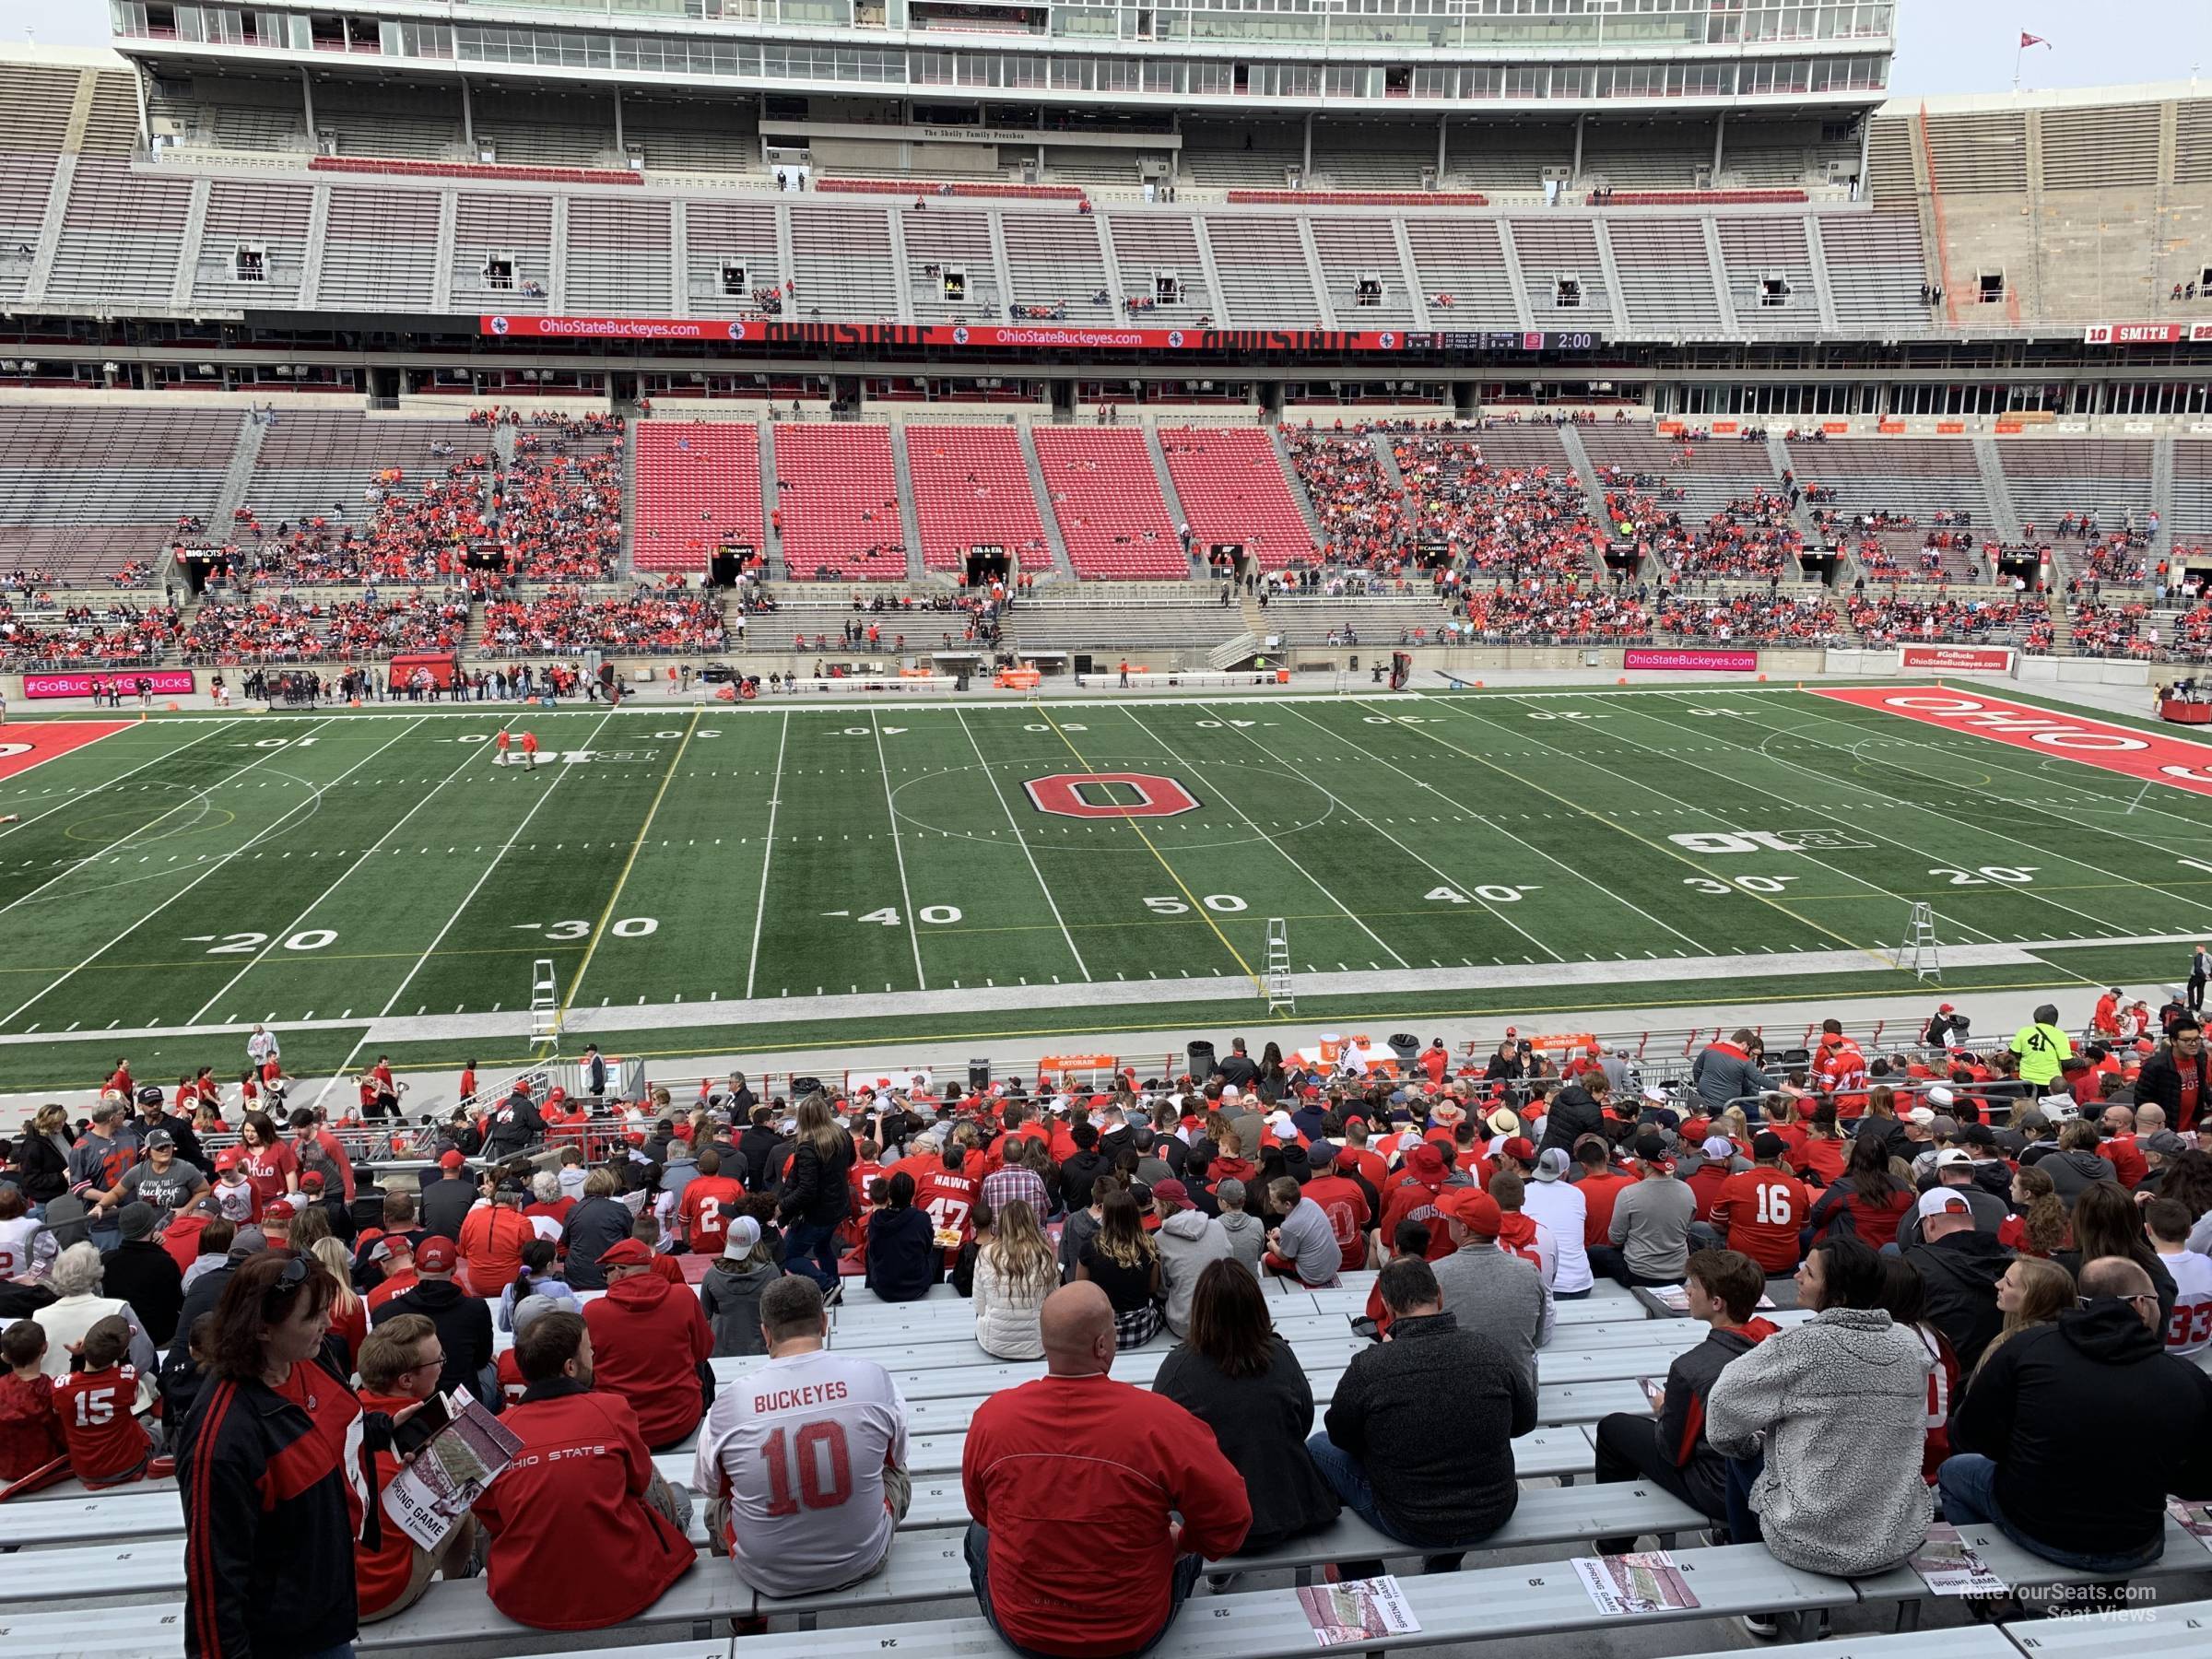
(1109, 795)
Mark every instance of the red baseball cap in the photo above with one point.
(1472, 1208)
(278, 1210)
(1426, 1161)
(229, 1158)
(451, 1160)
(627, 1252)
(1520, 1148)
(435, 1256)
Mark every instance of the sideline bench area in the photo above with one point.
(113, 1563)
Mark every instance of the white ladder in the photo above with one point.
(544, 1001)
(1281, 998)
(1920, 953)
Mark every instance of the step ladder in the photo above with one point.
(544, 1001)
(1280, 997)
(1919, 954)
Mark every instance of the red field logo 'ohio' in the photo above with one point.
(1109, 796)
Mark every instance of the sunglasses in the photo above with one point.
(289, 1281)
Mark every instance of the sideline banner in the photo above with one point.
(2149, 755)
(1690, 659)
(168, 682)
(1957, 659)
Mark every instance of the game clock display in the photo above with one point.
(1582, 339)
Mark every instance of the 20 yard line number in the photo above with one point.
(245, 944)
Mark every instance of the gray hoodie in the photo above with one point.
(1247, 1237)
(1189, 1239)
(730, 1295)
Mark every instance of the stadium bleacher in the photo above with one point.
(837, 503)
(971, 487)
(1107, 501)
(697, 489)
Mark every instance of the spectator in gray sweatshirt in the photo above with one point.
(1489, 1290)
(1649, 1231)
(1190, 1241)
(1725, 1072)
(1303, 1246)
(1247, 1237)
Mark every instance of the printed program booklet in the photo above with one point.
(1949, 1566)
(2196, 1517)
(1356, 1610)
(1625, 1584)
(1675, 1298)
(433, 1492)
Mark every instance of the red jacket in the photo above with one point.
(380, 1574)
(1081, 1547)
(647, 1337)
(573, 1544)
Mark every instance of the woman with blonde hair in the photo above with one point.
(2033, 1292)
(1121, 1259)
(1016, 1269)
(1733, 1123)
(817, 1197)
(348, 1312)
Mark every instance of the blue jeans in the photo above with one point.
(978, 1547)
(1968, 1480)
(1743, 1520)
(105, 1239)
(811, 1249)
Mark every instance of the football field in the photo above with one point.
(718, 864)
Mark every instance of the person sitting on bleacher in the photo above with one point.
(1829, 1420)
(1669, 1449)
(1418, 1438)
(649, 1339)
(1239, 1378)
(803, 1460)
(1075, 1483)
(463, 1321)
(584, 1534)
(399, 1365)
(1487, 1287)
(1649, 1232)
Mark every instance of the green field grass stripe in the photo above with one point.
(367, 853)
(1674, 852)
(906, 897)
(768, 857)
(79, 797)
(629, 863)
(1198, 907)
(1043, 886)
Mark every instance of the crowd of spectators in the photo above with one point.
(83, 633)
(380, 624)
(1761, 616)
(1885, 618)
(649, 619)
(1753, 538)
(1537, 611)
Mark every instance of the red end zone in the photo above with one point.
(2154, 758)
(24, 746)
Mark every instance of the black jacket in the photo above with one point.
(818, 1192)
(1078, 1175)
(594, 1227)
(904, 1260)
(1575, 1114)
(515, 1126)
(757, 1143)
(2162, 1280)
(464, 1325)
(1960, 1272)
(1261, 1424)
(445, 1205)
(270, 1571)
(207, 1290)
(41, 1167)
(2160, 1083)
(1690, 1381)
(1432, 1414)
(1239, 1069)
(146, 1277)
(2037, 1408)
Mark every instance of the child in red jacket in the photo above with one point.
(109, 1445)
(30, 1434)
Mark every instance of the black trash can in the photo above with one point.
(1405, 1046)
(1201, 1053)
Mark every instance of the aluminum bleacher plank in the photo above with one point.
(2176, 1628)
(2184, 1553)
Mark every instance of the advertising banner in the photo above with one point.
(2132, 753)
(168, 682)
(1957, 659)
(1053, 335)
(1690, 659)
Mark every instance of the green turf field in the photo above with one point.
(202, 872)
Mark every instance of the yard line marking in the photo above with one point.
(214, 864)
(431, 950)
(71, 797)
(629, 863)
(1597, 818)
(1418, 779)
(296, 921)
(2028, 892)
(1737, 783)
(1251, 823)
(2007, 800)
(1409, 853)
(1197, 908)
(890, 807)
(1022, 841)
(768, 854)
